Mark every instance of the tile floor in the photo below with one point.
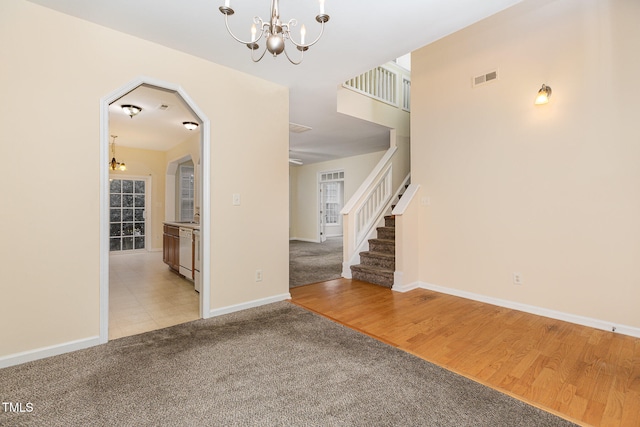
(144, 295)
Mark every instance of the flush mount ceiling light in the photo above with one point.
(113, 164)
(543, 95)
(275, 32)
(190, 125)
(131, 110)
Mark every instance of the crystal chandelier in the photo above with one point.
(275, 32)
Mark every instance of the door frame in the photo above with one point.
(205, 214)
(322, 226)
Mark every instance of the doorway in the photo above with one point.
(105, 223)
(331, 201)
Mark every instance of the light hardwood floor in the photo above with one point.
(144, 295)
(588, 376)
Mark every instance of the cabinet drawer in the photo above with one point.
(171, 230)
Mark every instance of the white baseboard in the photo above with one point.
(44, 352)
(304, 240)
(249, 304)
(540, 311)
(399, 286)
(346, 270)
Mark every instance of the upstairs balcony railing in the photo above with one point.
(386, 83)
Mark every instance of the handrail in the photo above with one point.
(369, 181)
(406, 199)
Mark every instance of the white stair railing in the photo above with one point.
(373, 205)
(384, 83)
(406, 94)
(366, 209)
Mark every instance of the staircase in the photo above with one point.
(378, 264)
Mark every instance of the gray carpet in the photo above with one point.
(314, 262)
(276, 365)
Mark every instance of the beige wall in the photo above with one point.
(304, 189)
(57, 68)
(550, 192)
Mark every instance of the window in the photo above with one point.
(332, 188)
(126, 214)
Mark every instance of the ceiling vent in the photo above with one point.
(296, 128)
(485, 78)
(163, 107)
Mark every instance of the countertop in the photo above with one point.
(185, 224)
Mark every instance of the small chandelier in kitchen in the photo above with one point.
(275, 32)
(113, 164)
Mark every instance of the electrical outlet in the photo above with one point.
(236, 199)
(517, 279)
(258, 275)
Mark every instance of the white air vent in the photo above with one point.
(163, 107)
(296, 128)
(484, 78)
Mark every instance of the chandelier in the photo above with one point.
(275, 32)
(113, 164)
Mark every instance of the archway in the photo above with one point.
(104, 195)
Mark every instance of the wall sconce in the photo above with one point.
(543, 95)
(190, 125)
(131, 110)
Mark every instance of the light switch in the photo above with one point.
(236, 199)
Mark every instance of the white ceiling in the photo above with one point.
(359, 36)
(155, 127)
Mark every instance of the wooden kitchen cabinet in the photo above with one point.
(171, 247)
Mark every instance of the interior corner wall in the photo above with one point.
(58, 69)
(304, 187)
(549, 192)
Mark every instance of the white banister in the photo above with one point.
(365, 210)
(384, 83)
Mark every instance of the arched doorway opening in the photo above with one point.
(204, 194)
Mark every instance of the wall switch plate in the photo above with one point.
(425, 201)
(236, 199)
(517, 279)
(258, 275)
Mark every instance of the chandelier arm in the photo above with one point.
(309, 44)
(261, 56)
(291, 60)
(226, 21)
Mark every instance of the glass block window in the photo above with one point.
(127, 214)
